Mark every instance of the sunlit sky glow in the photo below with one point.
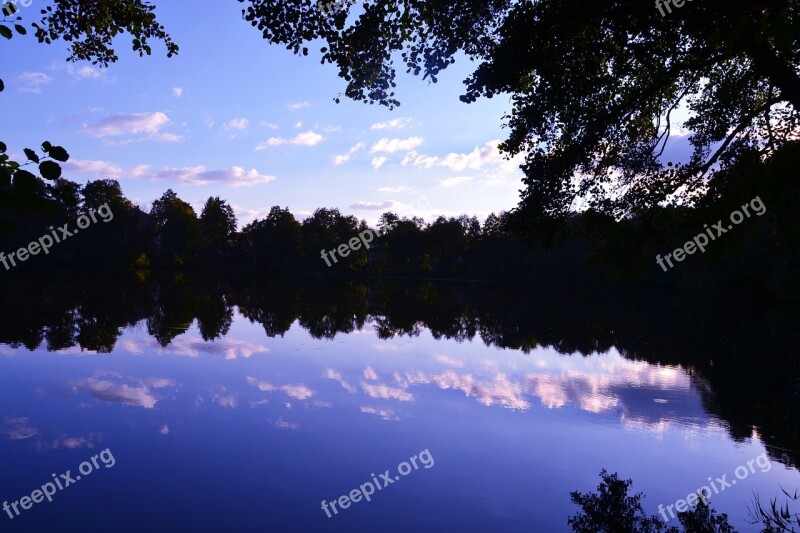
(235, 117)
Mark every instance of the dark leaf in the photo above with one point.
(30, 154)
(50, 170)
(58, 153)
(5, 32)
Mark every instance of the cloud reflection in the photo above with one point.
(298, 392)
(500, 390)
(137, 394)
(227, 401)
(385, 414)
(195, 346)
(333, 374)
(73, 443)
(386, 392)
(643, 395)
(18, 428)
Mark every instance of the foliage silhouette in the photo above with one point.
(593, 90)
(613, 510)
(90, 27)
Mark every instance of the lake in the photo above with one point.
(200, 405)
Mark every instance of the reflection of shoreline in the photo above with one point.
(737, 348)
(186, 345)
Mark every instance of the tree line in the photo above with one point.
(584, 247)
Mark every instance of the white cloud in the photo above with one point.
(139, 171)
(377, 162)
(135, 123)
(270, 125)
(308, 138)
(396, 145)
(96, 169)
(496, 170)
(476, 159)
(79, 71)
(124, 124)
(369, 373)
(84, 71)
(166, 137)
(452, 182)
(299, 105)
(177, 91)
(199, 175)
(32, 82)
(372, 205)
(394, 124)
(344, 158)
(236, 124)
(298, 125)
(272, 141)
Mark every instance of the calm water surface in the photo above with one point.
(219, 418)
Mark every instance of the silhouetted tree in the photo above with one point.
(593, 90)
(177, 228)
(613, 510)
(217, 226)
(273, 243)
(90, 27)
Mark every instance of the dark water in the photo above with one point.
(242, 407)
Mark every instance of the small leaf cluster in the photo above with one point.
(24, 181)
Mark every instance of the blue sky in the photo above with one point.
(235, 117)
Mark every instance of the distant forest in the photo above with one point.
(585, 247)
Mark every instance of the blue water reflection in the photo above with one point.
(251, 433)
